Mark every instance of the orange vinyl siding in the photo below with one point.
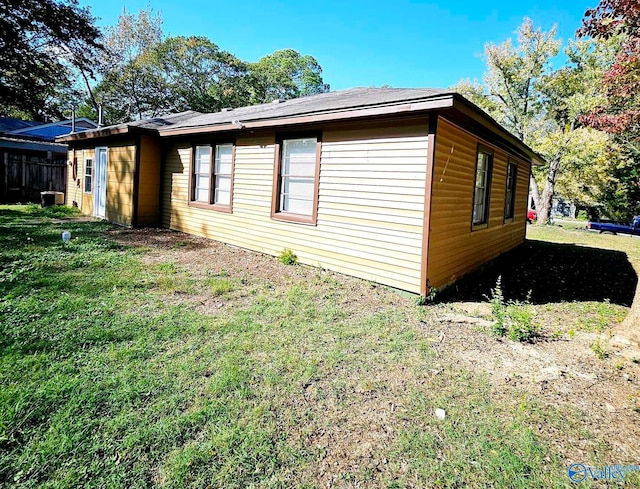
(74, 194)
(149, 182)
(121, 159)
(87, 198)
(120, 166)
(454, 249)
(370, 205)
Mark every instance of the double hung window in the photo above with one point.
(212, 176)
(295, 193)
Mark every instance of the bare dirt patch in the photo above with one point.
(557, 371)
(201, 256)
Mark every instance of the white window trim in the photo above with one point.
(84, 182)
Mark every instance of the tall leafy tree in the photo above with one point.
(285, 74)
(146, 74)
(199, 76)
(514, 73)
(511, 88)
(40, 42)
(545, 108)
(131, 87)
(619, 113)
(571, 147)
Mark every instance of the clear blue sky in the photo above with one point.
(360, 43)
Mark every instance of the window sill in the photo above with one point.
(508, 220)
(477, 227)
(295, 218)
(211, 207)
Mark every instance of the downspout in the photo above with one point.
(428, 194)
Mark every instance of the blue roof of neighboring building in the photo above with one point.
(42, 131)
(10, 124)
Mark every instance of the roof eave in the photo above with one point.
(440, 102)
(472, 110)
(105, 132)
(444, 101)
(28, 144)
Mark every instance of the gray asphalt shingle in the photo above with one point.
(325, 102)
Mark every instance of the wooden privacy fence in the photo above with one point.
(23, 177)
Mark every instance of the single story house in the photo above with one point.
(411, 188)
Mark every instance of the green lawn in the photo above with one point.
(111, 375)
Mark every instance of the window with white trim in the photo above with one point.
(202, 174)
(88, 175)
(212, 176)
(296, 183)
(222, 174)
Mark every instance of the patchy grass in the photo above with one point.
(611, 267)
(480, 443)
(573, 278)
(219, 286)
(112, 376)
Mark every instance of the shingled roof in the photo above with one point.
(235, 118)
(344, 105)
(151, 125)
(343, 100)
(161, 121)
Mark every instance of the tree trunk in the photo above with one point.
(89, 90)
(544, 210)
(629, 329)
(535, 190)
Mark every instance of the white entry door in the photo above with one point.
(100, 188)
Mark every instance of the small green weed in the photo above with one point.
(521, 326)
(429, 298)
(599, 350)
(288, 257)
(498, 310)
(511, 318)
(180, 244)
(219, 286)
(54, 211)
(168, 267)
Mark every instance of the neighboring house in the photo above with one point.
(410, 188)
(30, 159)
(559, 208)
(563, 208)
